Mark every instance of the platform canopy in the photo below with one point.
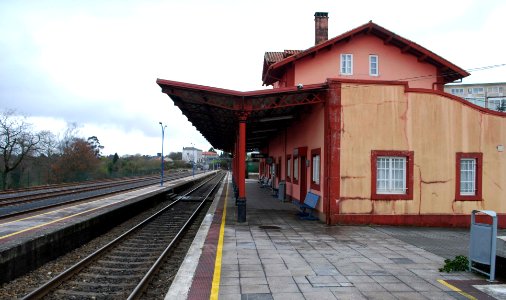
(216, 112)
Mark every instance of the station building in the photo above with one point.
(361, 120)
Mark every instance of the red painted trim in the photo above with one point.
(295, 180)
(369, 82)
(332, 142)
(368, 28)
(407, 89)
(479, 176)
(163, 83)
(409, 174)
(288, 161)
(314, 152)
(458, 99)
(427, 220)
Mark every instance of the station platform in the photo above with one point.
(28, 241)
(276, 255)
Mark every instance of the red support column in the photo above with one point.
(332, 144)
(241, 178)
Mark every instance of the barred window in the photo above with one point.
(391, 175)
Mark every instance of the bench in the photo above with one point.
(266, 182)
(309, 203)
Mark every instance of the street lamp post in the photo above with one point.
(163, 134)
(193, 159)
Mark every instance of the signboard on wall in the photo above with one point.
(258, 155)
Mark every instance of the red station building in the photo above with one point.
(362, 121)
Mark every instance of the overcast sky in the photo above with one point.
(95, 62)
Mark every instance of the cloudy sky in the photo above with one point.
(95, 62)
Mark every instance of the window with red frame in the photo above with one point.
(392, 175)
(288, 168)
(469, 176)
(315, 168)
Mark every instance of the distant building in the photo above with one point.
(208, 157)
(488, 95)
(192, 154)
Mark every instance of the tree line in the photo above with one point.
(29, 158)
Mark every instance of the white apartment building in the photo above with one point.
(488, 95)
(192, 154)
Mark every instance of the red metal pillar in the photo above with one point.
(241, 178)
(233, 165)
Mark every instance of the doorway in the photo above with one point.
(302, 177)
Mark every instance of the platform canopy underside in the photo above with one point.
(215, 113)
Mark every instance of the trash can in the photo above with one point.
(482, 245)
(281, 191)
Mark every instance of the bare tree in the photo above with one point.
(16, 142)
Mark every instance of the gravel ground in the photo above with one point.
(23, 285)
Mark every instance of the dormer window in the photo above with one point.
(346, 64)
(373, 65)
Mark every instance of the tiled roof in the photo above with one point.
(273, 57)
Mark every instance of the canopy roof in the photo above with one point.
(216, 112)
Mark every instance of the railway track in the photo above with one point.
(123, 268)
(42, 199)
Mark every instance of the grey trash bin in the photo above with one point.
(482, 245)
(281, 191)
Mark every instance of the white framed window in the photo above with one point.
(468, 176)
(391, 175)
(373, 65)
(477, 90)
(495, 89)
(457, 91)
(497, 103)
(346, 64)
(296, 168)
(480, 101)
(469, 179)
(316, 169)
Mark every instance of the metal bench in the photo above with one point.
(309, 203)
(266, 183)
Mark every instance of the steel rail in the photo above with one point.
(86, 198)
(24, 196)
(139, 289)
(56, 281)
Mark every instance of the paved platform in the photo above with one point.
(275, 255)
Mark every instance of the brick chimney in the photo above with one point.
(321, 27)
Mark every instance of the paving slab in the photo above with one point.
(280, 256)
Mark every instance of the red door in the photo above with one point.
(302, 177)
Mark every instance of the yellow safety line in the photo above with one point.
(456, 289)
(54, 211)
(38, 215)
(215, 288)
(56, 220)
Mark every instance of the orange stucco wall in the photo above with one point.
(435, 128)
(392, 64)
(304, 132)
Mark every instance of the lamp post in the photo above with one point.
(193, 159)
(163, 134)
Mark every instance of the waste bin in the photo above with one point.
(482, 245)
(281, 191)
